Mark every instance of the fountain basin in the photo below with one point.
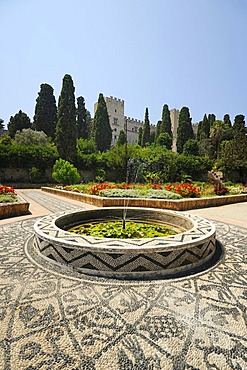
(193, 246)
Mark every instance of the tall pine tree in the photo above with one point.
(81, 122)
(45, 118)
(66, 124)
(146, 129)
(184, 131)
(101, 129)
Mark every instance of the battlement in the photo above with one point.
(113, 99)
(134, 120)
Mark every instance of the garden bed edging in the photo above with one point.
(176, 205)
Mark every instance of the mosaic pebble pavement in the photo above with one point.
(50, 320)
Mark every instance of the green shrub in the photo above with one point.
(34, 174)
(162, 194)
(20, 156)
(8, 198)
(121, 193)
(100, 175)
(65, 173)
(136, 193)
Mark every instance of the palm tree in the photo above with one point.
(217, 132)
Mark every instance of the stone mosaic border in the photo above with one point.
(132, 258)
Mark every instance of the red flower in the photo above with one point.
(185, 190)
(7, 189)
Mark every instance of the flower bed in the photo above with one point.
(184, 190)
(7, 194)
(11, 204)
(178, 204)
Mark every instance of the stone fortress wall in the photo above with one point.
(119, 121)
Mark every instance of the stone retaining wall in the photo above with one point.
(14, 209)
(176, 205)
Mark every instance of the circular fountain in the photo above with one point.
(193, 245)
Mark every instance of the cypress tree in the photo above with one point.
(227, 120)
(45, 118)
(199, 131)
(89, 123)
(81, 122)
(140, 133)
(184, 131)
(205, 128)
(166, 125)
(158, 129)
(1, 124)
(146, 129)
(239, 125)
(152, 136)
(18, 123)
(121, 138)
(66, 124)
(101, 129)
(211, 119)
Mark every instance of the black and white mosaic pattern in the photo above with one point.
(129, 257)
(50, 320)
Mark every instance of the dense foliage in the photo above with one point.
(71, 134)
(18, 123)
(31, 137)
(22, 156)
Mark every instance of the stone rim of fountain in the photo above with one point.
(133, 258)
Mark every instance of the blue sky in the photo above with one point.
(148, 52)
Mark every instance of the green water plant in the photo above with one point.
(130, 230)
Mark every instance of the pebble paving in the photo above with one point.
(50, 319)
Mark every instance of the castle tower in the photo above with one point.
(131, 126)
(115, 109)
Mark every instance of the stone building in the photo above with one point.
(130, 126)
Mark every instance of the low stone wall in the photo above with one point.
(191, 248)
(176, 205)
(14, 209)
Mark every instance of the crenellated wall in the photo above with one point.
(129, 125)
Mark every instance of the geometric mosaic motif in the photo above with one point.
(131, 257)
(53, 319)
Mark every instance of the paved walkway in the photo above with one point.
(50, 320)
